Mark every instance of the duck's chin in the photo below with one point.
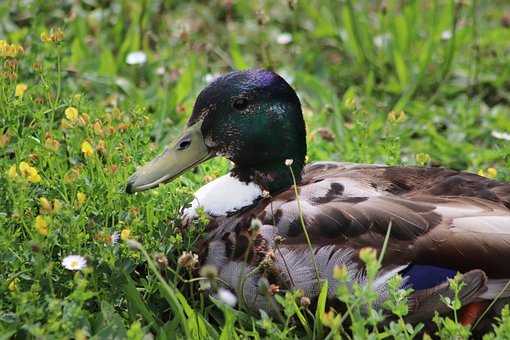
(223, 196)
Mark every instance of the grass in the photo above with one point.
(418, 82)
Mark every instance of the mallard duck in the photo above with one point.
(442, 221)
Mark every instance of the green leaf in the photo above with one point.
(107, 64)
(320, 310)
(136, 302)
(131, 43)
(78, 53)
(185, 83)
(111, 324)
(401, 68)
(235, 53)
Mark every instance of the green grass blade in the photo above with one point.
(320, 310)
(136, 302)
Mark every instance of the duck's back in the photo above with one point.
(441, 221)
(437, 216)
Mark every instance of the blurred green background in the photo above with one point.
(396, 82)
(446, 63)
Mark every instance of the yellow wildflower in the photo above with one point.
(9, 50)
(72, 175)
(45, 37)
(87, 149)
(65, 124)
(81, 197)
(54, 35)
(98, 129)
(341, 273)
(489, 173)
(397, 116)
(33, 176)
(29, 172)
(12, 173)
(117, 113)
(422, 158)
(37, 66)
(57, 34)
(83, 119)
(11, 64)
(367, 254)
(124, 234)
(492, 172)
(331, 319)
(101, 147)
(23, 167)
(57, 205)
(45, 205)
(13, 285)
(51, 143)
(41, 225)
(71, 113)
(20, 89)
(81, 334)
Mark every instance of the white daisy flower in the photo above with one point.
(381, 40)
(284, 38)
(210, 77)
(501, 135)
(74, 262)
(227, 297)
(446, 35)
(160, 71)
(136, 58)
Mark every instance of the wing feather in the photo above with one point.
(438, 216)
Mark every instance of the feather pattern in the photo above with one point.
(439, 218)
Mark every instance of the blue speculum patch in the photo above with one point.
(424, 276)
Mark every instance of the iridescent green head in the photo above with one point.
(253, 118)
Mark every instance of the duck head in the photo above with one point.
(252, 118)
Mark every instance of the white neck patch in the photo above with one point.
(224, 195)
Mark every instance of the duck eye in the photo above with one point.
(184, 143)
(240, 104)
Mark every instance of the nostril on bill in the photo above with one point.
(184, 143)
